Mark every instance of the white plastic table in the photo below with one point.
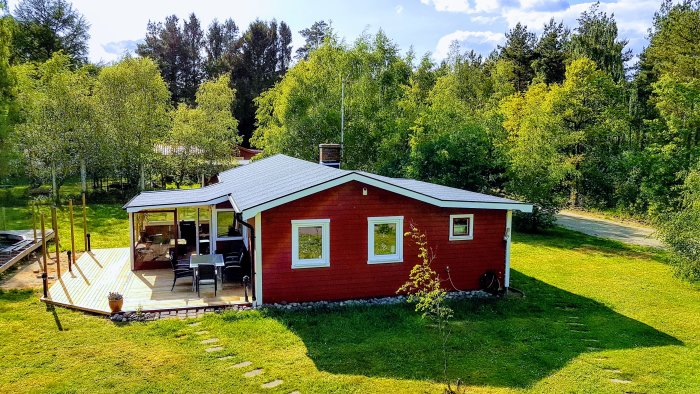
(216, 260)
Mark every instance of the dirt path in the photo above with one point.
(623, 232)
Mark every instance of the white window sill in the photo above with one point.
(310, 265)
(468, 238)
(386, 261)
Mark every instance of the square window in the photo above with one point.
(226, 225)
(310, 243)
(461, 227)
(385, 239)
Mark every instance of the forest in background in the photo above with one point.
(559, 119)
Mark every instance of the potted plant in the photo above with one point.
(116, 301)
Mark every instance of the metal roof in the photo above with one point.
(278, 177)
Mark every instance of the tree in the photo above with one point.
(264, 53)
(219, 45)
(424, 288)
(520, 50)
(596, 39)
(204, 138)
(314, 37)
(549, 53)
(178, 53)
(303, 109)
(133, 102)
(7, 88)
(56, 112)
(48, 26)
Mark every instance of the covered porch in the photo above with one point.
(101, 271)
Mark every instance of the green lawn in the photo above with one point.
(637, 323)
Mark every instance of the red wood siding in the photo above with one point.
(349, 275)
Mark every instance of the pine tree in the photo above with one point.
(314, 37)
(550, 53)
(520, 50)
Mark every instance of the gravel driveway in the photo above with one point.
(623, 232)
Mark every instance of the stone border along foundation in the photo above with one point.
(198, 312)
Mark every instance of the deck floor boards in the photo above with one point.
(97, 273)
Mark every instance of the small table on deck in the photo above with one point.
(216, 260)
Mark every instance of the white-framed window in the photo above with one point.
(311, 243)
(385, 239)
(461, 227)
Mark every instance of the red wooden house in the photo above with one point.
(315, 232)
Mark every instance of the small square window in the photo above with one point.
(385, 239)
(310, 243)
(461, 227)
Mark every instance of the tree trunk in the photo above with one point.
(142, 179)
(54, 187)
(83, 176)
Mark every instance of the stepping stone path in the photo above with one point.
(295, 392)
(224, 358)
(590, 340)
(272, 384)
(201, 332)
(623, 381)
(611, 370)
(252, 373)
(194, 324)
(575, 324)
(214, 349)
(207, 341)
(243, 364)
(592, 349)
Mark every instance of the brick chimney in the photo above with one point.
(329, 155)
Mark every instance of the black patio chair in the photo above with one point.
(180, 270)
(233, 263)
(206, 274)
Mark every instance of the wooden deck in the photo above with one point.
(98, 272)
(7, 261)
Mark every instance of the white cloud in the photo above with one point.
(464, 6)
(479, 40)
(398, 9)
(484, 19)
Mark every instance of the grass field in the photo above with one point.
(594, 311)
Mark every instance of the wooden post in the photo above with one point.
(34, 220)
(84, 225)
(43, 245)
(54, 219)
(72, 232)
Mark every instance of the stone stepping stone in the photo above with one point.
(243, 364)
(573, 317)
(621, 381)
(592, 349)
(590, 340)
(214, 349)
(224, 358)
(272, 384)
(252, 373)
(195, 324)
(208, 341)
(612, 370)
(201, 332)
(575, 324)
(581, 331)
(295, 392)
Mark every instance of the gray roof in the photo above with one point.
(275, 177)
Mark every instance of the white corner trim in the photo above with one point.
(325, 260)
(251, 212)
(508, 236)
(397, 257)
(471, 227)
(258, 260)
(131, 239)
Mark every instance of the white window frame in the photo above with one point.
(389, 258)
(325, 260)
(216, 229)
(471, 227)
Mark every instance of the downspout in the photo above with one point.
(251, 252)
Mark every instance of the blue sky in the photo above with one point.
(427, 25)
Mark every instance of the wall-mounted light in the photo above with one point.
(364, 191)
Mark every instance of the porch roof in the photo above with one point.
(278, 179)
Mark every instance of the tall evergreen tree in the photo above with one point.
(549, 52)
(313, 37)
(596, 38)
(48, 26)
(219, 44)
(520, 50)
(191, 62)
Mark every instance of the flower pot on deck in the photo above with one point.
(116, 305)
